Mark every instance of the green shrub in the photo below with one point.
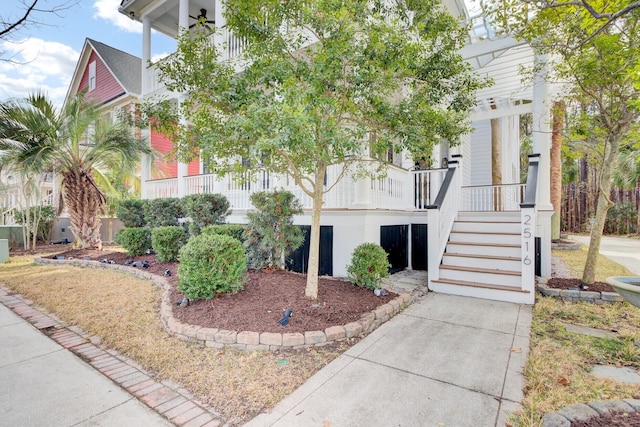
(135, 240)
(163, 212)
(237, 231)
(211, 263)
(271, 235)
(205, 209)
(369, 264)
(166, 241)
(131, 212)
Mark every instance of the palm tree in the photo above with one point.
(78, 143)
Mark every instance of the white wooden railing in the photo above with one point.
(426, 185)
(495, 198)
(441, 215)
(394, 190)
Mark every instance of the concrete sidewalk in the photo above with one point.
(44, 384)
(444, 361)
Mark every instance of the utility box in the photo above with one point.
(4, 250)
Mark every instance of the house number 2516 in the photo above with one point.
(526, 233)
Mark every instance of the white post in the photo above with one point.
(146, 54)
(528, 224)
(541, 139)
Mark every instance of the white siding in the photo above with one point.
(479, 161)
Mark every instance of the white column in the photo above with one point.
(541, 138)
(146, 54)
(145, 167)
(541, 132)
(183, 14)
(183, 168)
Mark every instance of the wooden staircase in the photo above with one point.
(483, 258)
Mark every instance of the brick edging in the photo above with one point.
(248, 340)
(577, 295)
(582, 412)
(167, 398)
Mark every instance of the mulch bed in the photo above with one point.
(618, 418)
(573, 284)
(260, 306)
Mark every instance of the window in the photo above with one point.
(92, 75)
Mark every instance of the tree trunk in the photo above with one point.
(556, 168)
(84, 201)
(496, 161)
(603, 205)
(311, 290)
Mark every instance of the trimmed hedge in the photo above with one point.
(166, 241)
(205, 209)
(211, 264)
(237, 231)
(131, 212)
(135, 240)
(369, 265)
(163, 212)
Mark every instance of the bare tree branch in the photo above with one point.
(9, 25)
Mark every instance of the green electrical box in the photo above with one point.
(4, 250)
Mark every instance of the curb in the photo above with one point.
(248, 340)
(577, 295)
(581, 412)
(166, 398)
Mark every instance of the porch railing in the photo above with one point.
(161, 188)
(496, 198)
(426, 185)
(441, 215)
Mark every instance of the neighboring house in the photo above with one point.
(474, 238)
(15, 194)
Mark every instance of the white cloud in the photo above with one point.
(35, 64)
(108, 10)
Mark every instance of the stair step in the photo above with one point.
(485, 237)
(481, 275)
(480, 270)
(483, 226)
(474, 248)
(505, 258)
(482, 261)
(480, 285)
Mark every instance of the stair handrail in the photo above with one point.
(441, 215)
(528, 219)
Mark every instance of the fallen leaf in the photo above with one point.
(516, 350)
(563, 381)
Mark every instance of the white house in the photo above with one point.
(474, 238)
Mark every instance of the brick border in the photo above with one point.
(166, 398)
(567, 295)
(248, 340)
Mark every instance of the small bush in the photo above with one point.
(237, 231)
(369, 265)
(163, 212)
(205, 209)
(135, 240)
(131, 212)
(211, 263)
(166, 241)
(271, 235)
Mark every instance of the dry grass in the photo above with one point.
(557, 373)
(574, 260)
(123, 312)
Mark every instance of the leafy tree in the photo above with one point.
(78, 145)
(599, 64)
(324, 84)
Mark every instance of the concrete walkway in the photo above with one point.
(445, 361)
(44, 384)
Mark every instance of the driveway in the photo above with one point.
(622, 250)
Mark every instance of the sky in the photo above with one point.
(43, 56)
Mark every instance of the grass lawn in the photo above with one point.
(557, 373)
(123, 311)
